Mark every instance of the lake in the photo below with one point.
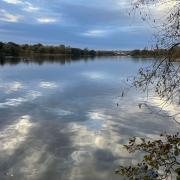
(68, 121)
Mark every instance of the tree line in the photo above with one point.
(156, 53)
(13, 49)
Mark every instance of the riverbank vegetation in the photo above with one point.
(13, 49)
(156, 53)
(25, 50)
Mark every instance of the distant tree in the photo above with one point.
(1, 48)
(136, 52)
(76, 52)
(92, 53)
(85, 51)
(12, 49)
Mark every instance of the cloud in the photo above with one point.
(30, 7)
(26, 6)
(122, 4)
(83, 24)
(166, 6)
(110, 31)
(8, 17)
(95, 33)
(48, 85)
(46, 20)
(131, 28)
(13, 1)
(156, 8)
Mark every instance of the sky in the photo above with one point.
(94, 24)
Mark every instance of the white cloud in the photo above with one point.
(26, 6)
(122, 4)
(8, 17)
(13, 1)
(30, 7)
(46, 20)
(163, 7)
(95, 33)
(159, 11)
(130, 28)
(48, 85)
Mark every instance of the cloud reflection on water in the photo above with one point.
(95, 75)
(59, 111)
(14, 102)
(170, 109)
(95, 143)
(15, 134)
(11, 87)
(77, 133)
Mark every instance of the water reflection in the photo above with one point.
(15, 134)
(30, 96)
(43, 59)
(95, 75)
(62, 122)
(11, 87)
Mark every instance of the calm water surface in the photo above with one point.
(61, 121)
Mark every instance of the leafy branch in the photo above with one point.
(160, 161)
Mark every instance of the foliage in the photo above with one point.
(161, 159)
(162, 156)
(163, 75)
